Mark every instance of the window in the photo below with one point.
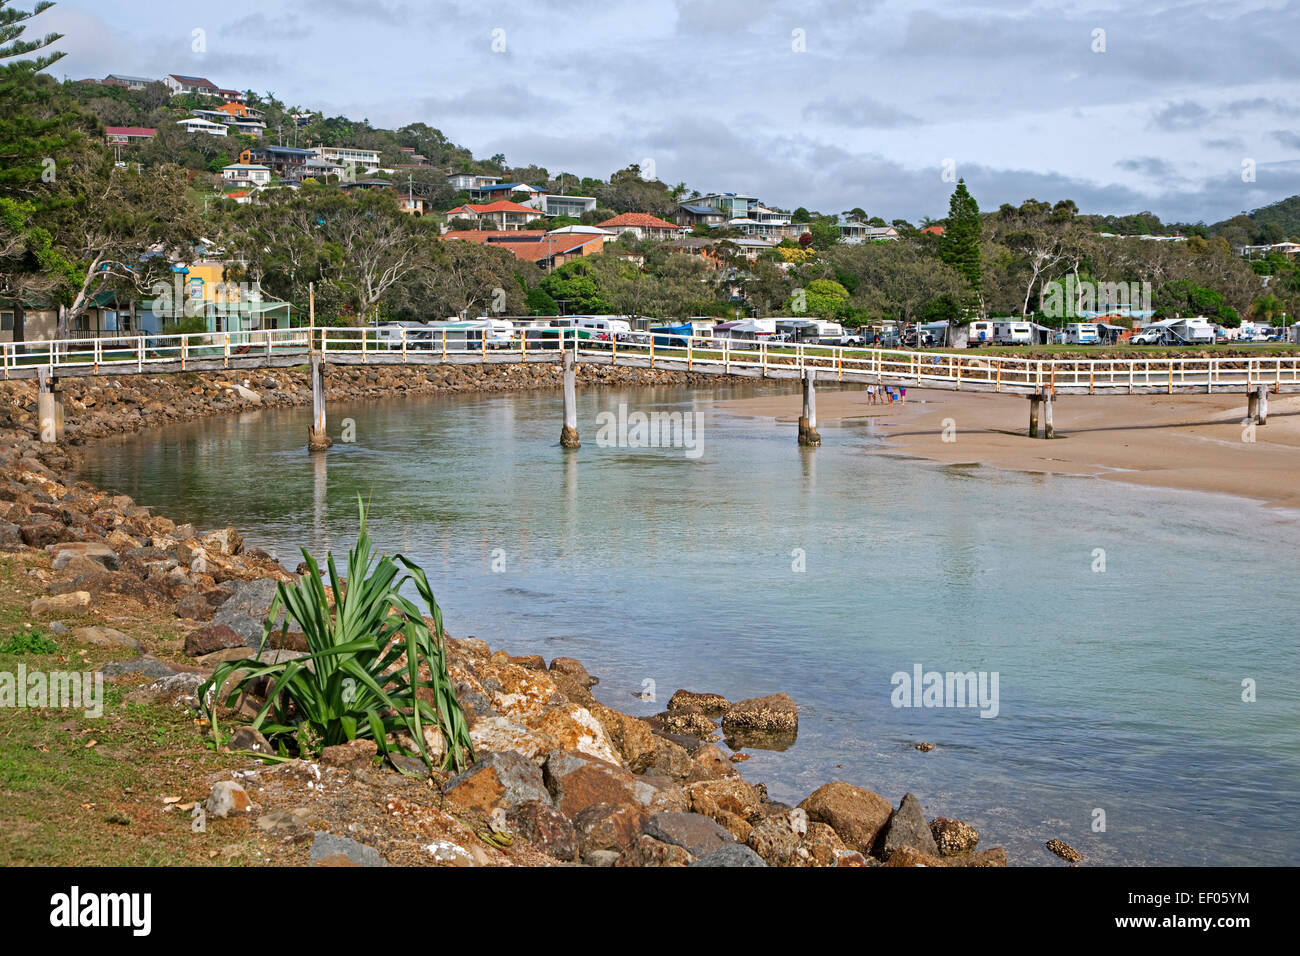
(6, 321)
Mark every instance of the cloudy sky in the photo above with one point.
(1183, 107)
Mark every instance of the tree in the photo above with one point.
(959, 246)
(825, 234)
(822, 297)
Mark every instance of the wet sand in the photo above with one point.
(1189, 442)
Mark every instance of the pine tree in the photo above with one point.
(959, 246)
(37, 120)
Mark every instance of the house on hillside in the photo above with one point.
(574, 206)
(464, 182)
(190, 84)
(126, 135)
(643, 226)
(494, 191)
(244, 175)
(130, 82)
(197, 124)
(695, 214)
(283, 160)
(855, 233)
(549, 250)
(501, 215)
(349, 155)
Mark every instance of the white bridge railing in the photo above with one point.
(950, 370)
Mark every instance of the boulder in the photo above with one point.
(711, 704)
(330, 850)
(93, 550)
(857, 815)
(505, 779)
(774, 714)
(210, 639)
(247, 738)
(689, 723)
(775, 841)
(733, 854)
(729, 795)
(548, 830)
(907, 829)
(106, 637)
(577, 781)
(353, 755)
(228, 797)
(953, 836)
(1062, 849)
(709, 763)
(694, 832)
(604, 826)
(70, 602)
(223, 541)
(647, 851)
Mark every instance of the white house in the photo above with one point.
(196, 125)
(368, 158)
(245, 173)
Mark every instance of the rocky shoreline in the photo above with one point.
(560, 778)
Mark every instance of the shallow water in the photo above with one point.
(1119, 690)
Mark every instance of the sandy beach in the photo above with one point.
(1189, 442)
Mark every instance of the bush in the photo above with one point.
(368, 656)
(29, 642)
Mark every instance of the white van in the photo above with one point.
(1013, 333)
(1081, 333)
(981, 333)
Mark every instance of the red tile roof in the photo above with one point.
(532, 245)
(642, 219)
(501, 205)
(129, 131)
(483, 235)
(935, 230)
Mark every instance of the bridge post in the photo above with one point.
(1035, 410)
(808, 420)
(569, 433)
(49, 410)
(317, 438)
(1257, 404)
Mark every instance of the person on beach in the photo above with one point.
(902, 394)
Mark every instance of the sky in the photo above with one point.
(1186, 108)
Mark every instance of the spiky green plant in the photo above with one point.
(361, 676)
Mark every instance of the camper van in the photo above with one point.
(1081, 333)
(1013, 333)
(981, 333)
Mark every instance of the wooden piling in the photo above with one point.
(1035, 409)
(317, 438)
(569, 432)
(808, 434)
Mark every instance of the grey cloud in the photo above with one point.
(862, 111)
(1180, 116)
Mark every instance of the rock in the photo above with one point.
(601, 858)
(504, 779)
(59, 629)
(106, 637)
(534, 662)
(775, 842)
(246, 609)
(733, 854)
(709, 763)
(604, 826)
(846, 858)
(712, 705)
(93, 550)
(224, 541)
(330, 850)
(647, 851)
(548, 830)
(144, 665)
(730, 796)
(696, 833)
(228, 797)
(210, 639)
(78, 566)
(72, 602)
(1062, 849)
(691, 723)
(353, 755)
(175, 690)
(247, 738)
(907, 829)
(995, 857)
(820, 844)
(574, 669)
(284, 820)
(774, 714)
(199, 605)
(577, 781)
(857, 815)
(953, 836)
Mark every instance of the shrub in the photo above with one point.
(362, 674)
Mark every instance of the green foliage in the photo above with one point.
(185, 325)
(959, 246)
(821, 297)
(539, 302)
(574, 285)
(375, 667)
(29, 642)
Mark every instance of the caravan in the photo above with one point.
(1013, 333)
(1081, 333)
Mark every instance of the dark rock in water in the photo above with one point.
(147, 666)
(907, 829)
(547, 829)
(692, 723)
(694, 832)
(924, 747)
(774, 714)
(953, 836)
(711, 704)
(734, 854)
(1062, 849)
(757, 740)
(573, 668)
(330, 850)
